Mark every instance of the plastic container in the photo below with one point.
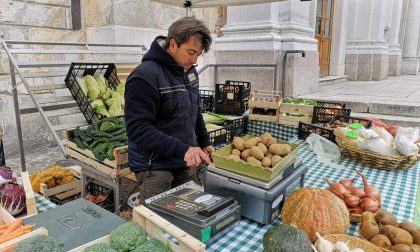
(232, 97)
(78, 70)
(95, 190)
(324, 112)
(206, 100)
(231, 129)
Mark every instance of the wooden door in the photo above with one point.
(323, 32)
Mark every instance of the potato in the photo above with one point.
(249, 143)
(257, 152)
(246, 153)
(266, 134)
(253, 160)
(238, 143)
(264, 140)
(270, 142)
(280, 149)
(275, 159)
(263, 148)
(234, 157)
(257, 139)
(236, 152)
(269, 155)
(266, 162)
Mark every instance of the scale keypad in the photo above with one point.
(178, 205)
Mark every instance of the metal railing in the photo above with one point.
(14, 48)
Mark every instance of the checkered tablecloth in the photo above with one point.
(281, 132)
(43, 204)
(398, 190)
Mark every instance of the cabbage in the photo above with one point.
(94, 91)
(6, 172)
(102, 82)
(121, 88)
(12, 198)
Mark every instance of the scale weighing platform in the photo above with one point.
(200, 214)
(260, 201)
(76, 223)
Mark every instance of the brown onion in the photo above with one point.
(359, 192)
(369, 190)
(370, 204)
(356, 210)
(338, 189)
(351, 200)
(347, 183)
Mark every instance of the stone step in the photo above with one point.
(392, 119)
(328, 80)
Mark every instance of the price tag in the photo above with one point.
(352, 134)
(356, 125)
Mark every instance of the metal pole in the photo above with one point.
(17, 116)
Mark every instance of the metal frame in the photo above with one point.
(16, 68)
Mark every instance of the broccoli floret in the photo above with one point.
(128, 236)
(152, 245)
(39, 243)
(101, 247)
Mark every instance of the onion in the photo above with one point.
(359, 192)
(338, 189)
(347, 183)
(356, 210)
(369, 190)
(370, 204)
(351, 200)
(6, 172)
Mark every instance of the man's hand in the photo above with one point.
(194, 156)
(208, 150)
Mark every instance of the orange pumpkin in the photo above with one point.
(316, 210)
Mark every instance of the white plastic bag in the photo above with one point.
(378, 145)
(368, 133)
(410, 133)
(327, 152)
(386, 136)
(405, 146)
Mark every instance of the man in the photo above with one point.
(167, 138)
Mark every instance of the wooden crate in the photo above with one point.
(115, 168)
(29, 194)
(156, 227)
(62, 191)
(306, 110)
(264, 99)
(5, 217)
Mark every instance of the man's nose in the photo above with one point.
(194, 59)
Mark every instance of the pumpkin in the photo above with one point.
(316, 210)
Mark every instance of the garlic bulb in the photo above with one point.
(324, 245)
(341, 246)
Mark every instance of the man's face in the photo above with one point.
(187, 53)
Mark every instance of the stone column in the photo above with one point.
(367, 51)
(261, 34)
(411, 38)
(339, 37)
(395, 52)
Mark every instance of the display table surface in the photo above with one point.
(398, 190)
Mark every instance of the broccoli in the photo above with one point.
(128, 236)
(39, 243)
(152, 245)
(100, 247)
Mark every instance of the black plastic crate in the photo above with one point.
(206, 100)
(237, 127)
(78, 70)
(95, 190)
(2, 157)
(306, 129)
(219, 136)
(232, 97)
(327, 114)
(327, 104)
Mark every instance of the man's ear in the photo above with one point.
(172, 45)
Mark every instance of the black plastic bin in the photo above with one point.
(206, 100)
(325, 112)
(95, 190)
(232, 128)
(78, 70)
(232, 97)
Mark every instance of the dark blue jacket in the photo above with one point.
(162, 114)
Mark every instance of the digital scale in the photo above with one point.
(76, 222)
(260, 201)
(202, 215)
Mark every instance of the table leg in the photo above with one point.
(302, 180)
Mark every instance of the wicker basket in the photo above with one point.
(353, 242)
(366, 240)
(374, 159)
